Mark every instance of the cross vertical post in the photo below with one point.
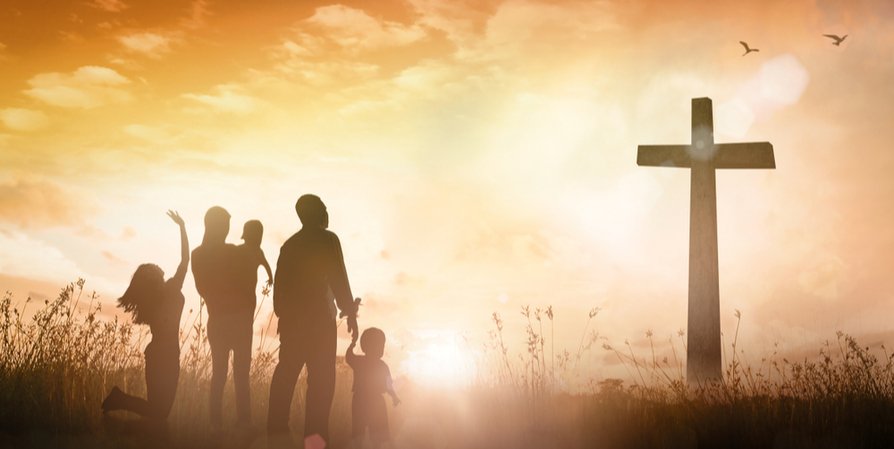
(703, 328)
(703, 157)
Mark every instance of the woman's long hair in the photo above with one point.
(144, 293)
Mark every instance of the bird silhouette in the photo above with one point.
(838, 39)
(747, 48)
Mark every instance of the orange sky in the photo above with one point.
(475, 156)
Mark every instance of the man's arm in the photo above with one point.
(338, 283)
(267, 268)
(198, 273)
(338, 280)
(282, 282)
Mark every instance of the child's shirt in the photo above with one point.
(371, 375)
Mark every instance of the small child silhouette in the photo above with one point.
(252, 233)
(372, 378)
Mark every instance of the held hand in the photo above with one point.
(353, 329)
(344, 313)
(176, 218)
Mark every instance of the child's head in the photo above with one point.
(372, 342)
(252, 232)
(145, 290)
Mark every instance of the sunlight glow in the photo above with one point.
(441, 361)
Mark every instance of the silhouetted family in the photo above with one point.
(310, 273)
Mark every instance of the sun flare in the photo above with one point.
(441, 361)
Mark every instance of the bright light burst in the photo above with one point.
(441, 360)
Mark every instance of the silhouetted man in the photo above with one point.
(310, 266)
(230, 315)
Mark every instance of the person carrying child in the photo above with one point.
(372, 379)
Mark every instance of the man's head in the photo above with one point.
(253, 232)
(217, 225)
(372, 342)
(312, 212)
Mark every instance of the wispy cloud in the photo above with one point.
(38, 204)
(26, 256)
(85, 88)
(18, 119)
(227, 98)
(296, 59)
(153, 134)
(109, 5)
(153, 45)
(354, 28)
(198, 13)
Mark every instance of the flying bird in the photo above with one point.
(747, 48)
(838, 40)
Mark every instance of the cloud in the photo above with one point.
(460, 20)
(229, 98)
(354, 28)
(149, 133)
(26, 257)
(85, 88)
(23, 119)
(780, 82)
(152, 45)
(324, 73)
(520, 26)
(198, 11)
(39, 204)
(109, 5)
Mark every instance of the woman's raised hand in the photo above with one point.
(176, 217)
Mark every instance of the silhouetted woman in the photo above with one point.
(158, 303)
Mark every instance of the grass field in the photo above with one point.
(58, 360)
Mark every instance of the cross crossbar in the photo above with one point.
(726, 155)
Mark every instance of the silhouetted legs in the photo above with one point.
(232, 332)
(241, 370)
(313, 344)
(162, 375)
(320, 388)
(368, 413)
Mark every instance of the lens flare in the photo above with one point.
(441, 361)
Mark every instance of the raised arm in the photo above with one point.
(184, 250)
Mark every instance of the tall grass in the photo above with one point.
(58, 359)
(842, 396)
(56, 365)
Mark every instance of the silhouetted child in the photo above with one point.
(252, 233)
(372, 378)
(159, 303)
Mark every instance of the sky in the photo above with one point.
(475, 157)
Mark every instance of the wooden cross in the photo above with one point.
(703, 156)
